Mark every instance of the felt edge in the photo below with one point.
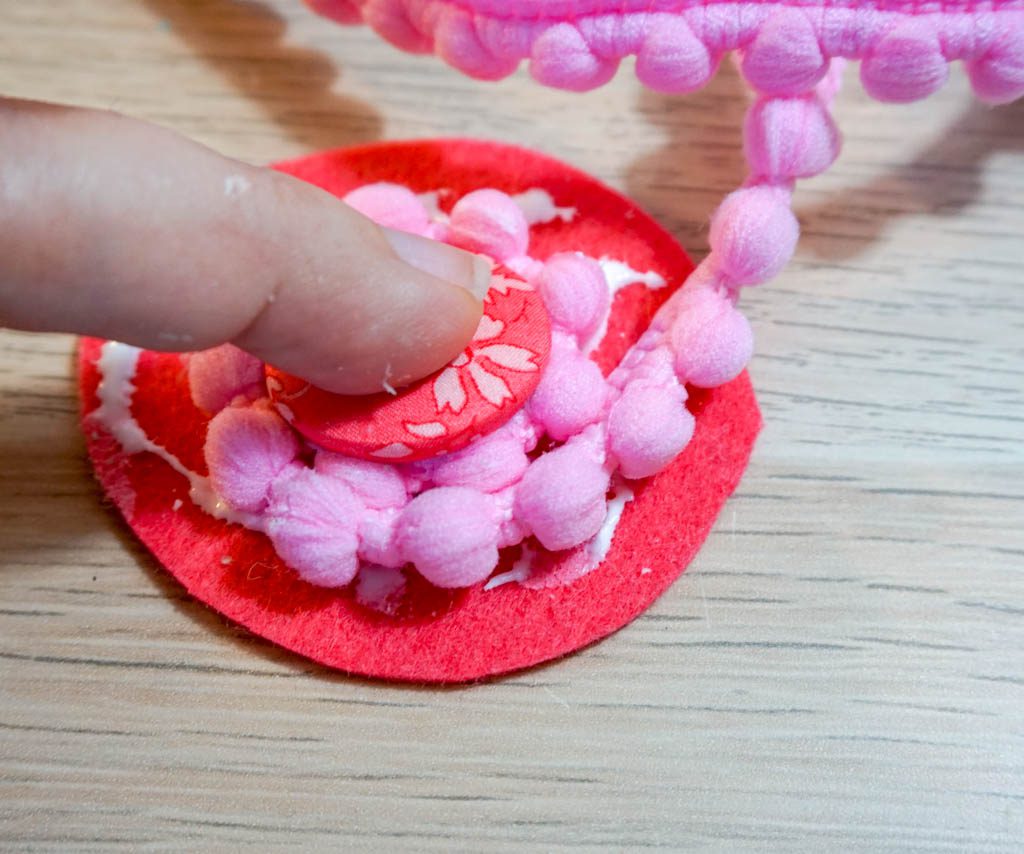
(110, 471)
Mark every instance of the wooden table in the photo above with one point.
(841, 668)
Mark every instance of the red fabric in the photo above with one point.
(438, 635)
(440, 413)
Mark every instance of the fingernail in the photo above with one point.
(472, 272)
(482, 271)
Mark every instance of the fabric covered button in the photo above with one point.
(475, 394)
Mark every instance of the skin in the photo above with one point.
(116, 228)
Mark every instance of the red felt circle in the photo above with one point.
(478, 392)
(437, 635)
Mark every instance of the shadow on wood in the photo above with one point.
(941, 180)
(683, 182)
(245, 41)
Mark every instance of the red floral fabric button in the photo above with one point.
(476, 393)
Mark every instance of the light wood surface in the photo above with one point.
(840, 670)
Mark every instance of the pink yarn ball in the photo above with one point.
(648, 427)
(790, 137)
(571, 394)
(906, 64)
(378, 485)
(312, 522)
(575, 293)
(562, 58)
(613, 35)
(490, 222)
(246, 449)
(390, 205)
(456, 41)
(754, 234)
(562, 498)
(672, 59)
(392, 22)
(655, 367)
(218, 376)
(507, 42)
(450, 535)
(377, 537)
(712, 340)
(785, 57)
(487, 464)
(998, 76)
(511, 531)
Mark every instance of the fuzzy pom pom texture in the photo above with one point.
(451, 514)
(350, 516)
(904, 46)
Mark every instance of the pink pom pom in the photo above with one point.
(391, 21)
(450, 534)
(648, 427)
(378, 485)
(377, 543)
(655, 367)
(245, 450)
(490, 222)
(571, 394)
(487, 464)
(218, 376)
(754, 234)
(511, 531)
(790, 137)
(672, 59)
(906, 64)
(312, 523)
(785, 57)
(457, 43)
(998, 76)
(711, 339)
(561, 498)
(575, 293)
(562, 58)
(390, 205)
(505, 41)
(613, 35)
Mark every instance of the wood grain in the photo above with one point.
(840, 670)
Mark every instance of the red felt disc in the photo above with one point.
(478, 392)
(433, 635)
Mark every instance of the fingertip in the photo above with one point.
(359, 308)
(428, 333)
(382, 333)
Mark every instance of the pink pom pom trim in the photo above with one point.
(906, 45)
(449, 515)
